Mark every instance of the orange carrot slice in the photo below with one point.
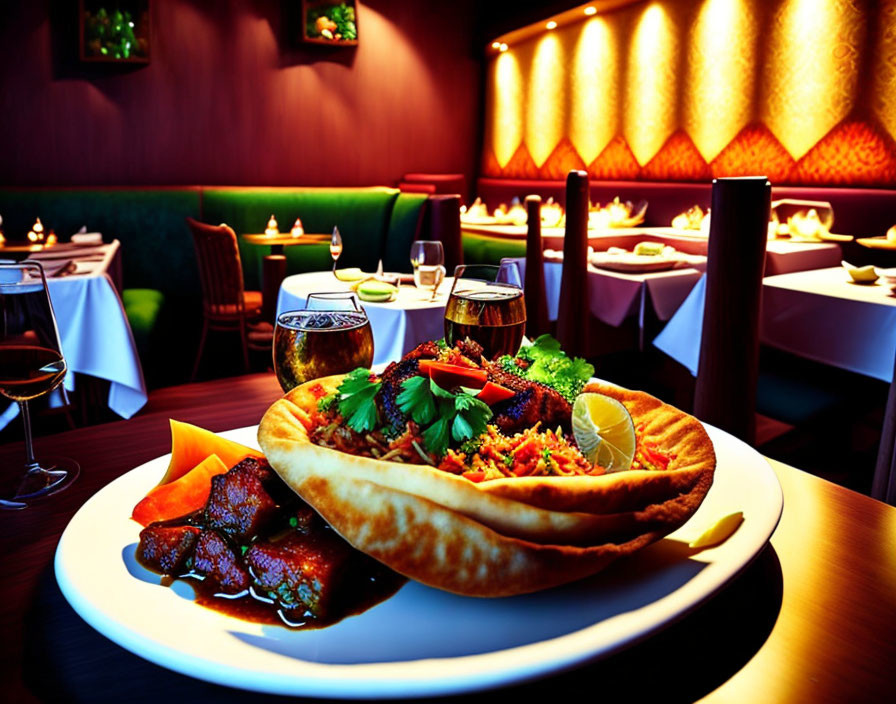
(182, 496)
(190, 445)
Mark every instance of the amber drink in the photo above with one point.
(494, 315)
(309, 344)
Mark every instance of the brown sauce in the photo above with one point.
(249, 607)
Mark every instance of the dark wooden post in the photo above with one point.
(445, 227)
(536, 295)
(573, 315)
(725, 393)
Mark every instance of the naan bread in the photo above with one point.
(500, 537)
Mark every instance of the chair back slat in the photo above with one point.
(725, 392)
(534, 286)
(220, 269)
(573, 315)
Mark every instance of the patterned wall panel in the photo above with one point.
(803, 91)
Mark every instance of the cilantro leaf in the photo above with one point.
(357, 400)
(439, 391)
(436, 437)
(416, 400)
(461, 429)
(475, 415)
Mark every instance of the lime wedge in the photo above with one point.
(352, 274)
(604, 431)
(719, 531)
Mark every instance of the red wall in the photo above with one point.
(230, 97)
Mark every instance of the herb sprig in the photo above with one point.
(356, 396)
(457, 416)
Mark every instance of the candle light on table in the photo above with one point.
(272, 230)
(36, 234)
(297, 229)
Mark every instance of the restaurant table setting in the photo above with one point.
(93, 328)
(820, 314)
(806, 616)
(399, 325)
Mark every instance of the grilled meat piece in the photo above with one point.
(216, 560)
(533, 402)
(396, 373)
(166, 548)
(470, 349)
(302, 573)
(239, 504)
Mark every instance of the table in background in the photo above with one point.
(94, 332)
(398, 326)
(818, 314)
(811, 619)
(273, 265)
(613, 296)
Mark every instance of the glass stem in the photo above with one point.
(30, 463)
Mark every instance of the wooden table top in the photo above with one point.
(284, 238)
(811, 619)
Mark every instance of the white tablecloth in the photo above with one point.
(95, 335)
(614, 295)
(818, 314)
(398, 326)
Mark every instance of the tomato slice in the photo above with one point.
(448, 376)
(493, 393)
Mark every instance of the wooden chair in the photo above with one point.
(574, 315)
(725, 392)
(226, 305)
(537, 321)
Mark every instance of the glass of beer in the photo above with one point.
(487, 306)
(331, 336)
(31, 365)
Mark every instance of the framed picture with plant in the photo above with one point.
(330, 22)
(114, 31)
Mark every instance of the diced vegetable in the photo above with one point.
(449, 376)
(182, 496)
(493, 393)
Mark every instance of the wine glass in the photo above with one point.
(427, 261)
(331, 336)
(31, 365)
(335, 247)
(486, 305)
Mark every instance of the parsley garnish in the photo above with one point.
(356, 400)
(326, 403)
(450, 416)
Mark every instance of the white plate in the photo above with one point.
(633, 262)
(422, 641)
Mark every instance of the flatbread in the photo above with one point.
(500, 537)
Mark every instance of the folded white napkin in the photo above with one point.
(87, 238)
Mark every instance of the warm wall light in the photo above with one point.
(590, 10)
(721, 66)
(651, 84)
(507, 111)
(594, 85)
(551, 25)
(545, 99)
(503, 47)
(496, 45)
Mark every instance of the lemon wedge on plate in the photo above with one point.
(719, 531)
(604, 431)
(352, 274)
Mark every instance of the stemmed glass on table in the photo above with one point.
(31, 365)
(331, 336)
(428, 263)
(335, 247)
(486, 305)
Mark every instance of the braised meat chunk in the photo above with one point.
(167, 548)
(239, 504)
(302, 573)
(216, 560)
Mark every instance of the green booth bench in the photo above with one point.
(162, 295)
